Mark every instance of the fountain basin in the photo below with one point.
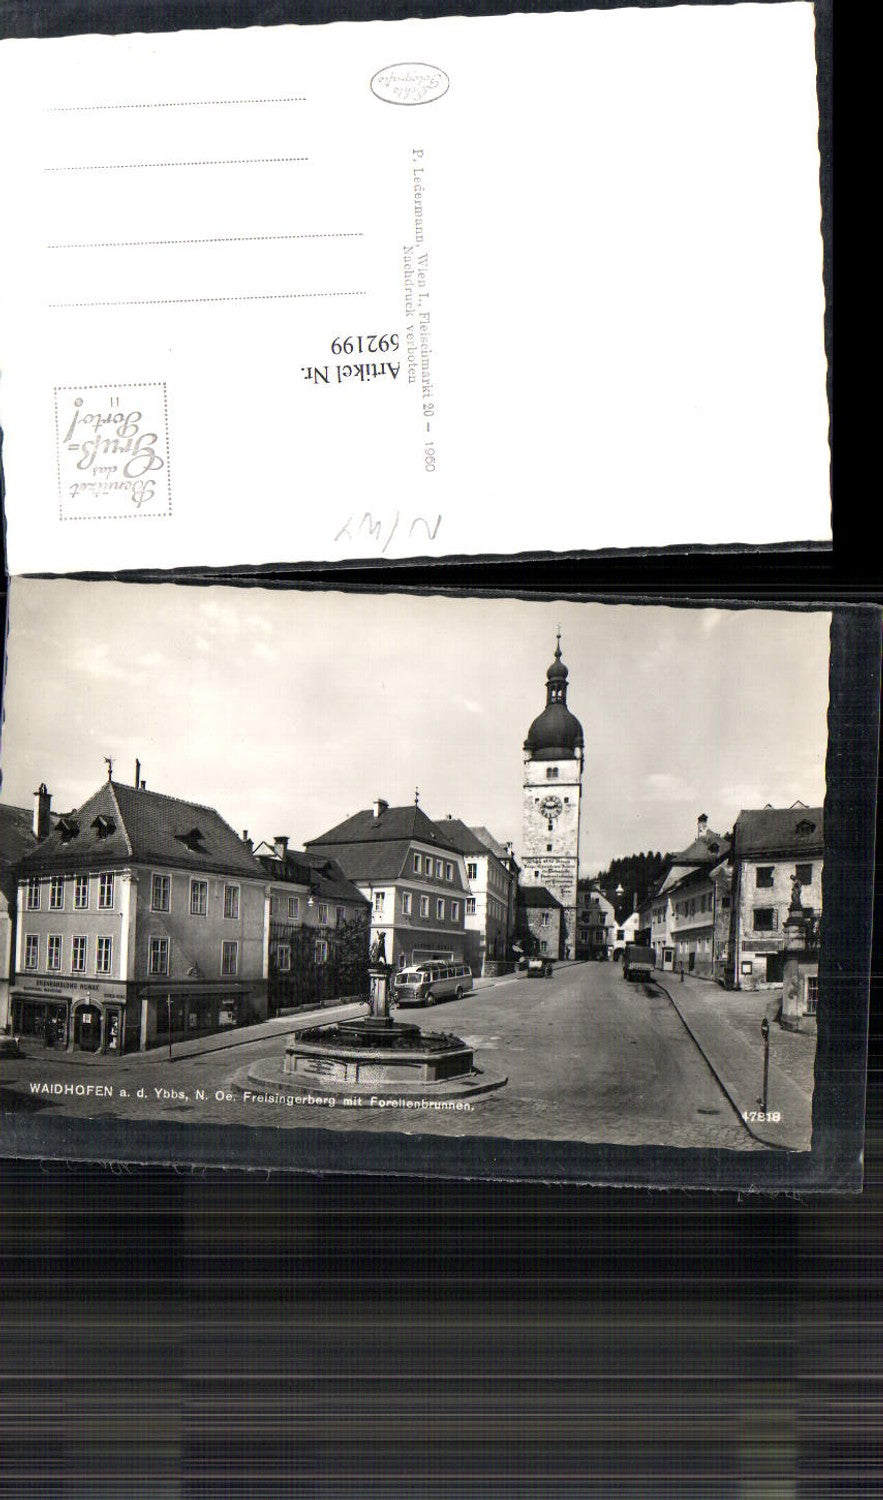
(374, 1051)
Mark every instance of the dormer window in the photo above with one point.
(805, 827)
(104, 827)
(192, 840)
(68, 828)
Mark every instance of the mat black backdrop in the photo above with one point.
(186, 1335)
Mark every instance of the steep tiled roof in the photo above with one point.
(537, 896)
(366, 863)
(463, 838)
(692, 878)
(123, 824)
(393, 823)
(17, 836)
(780, 830)
(705, 850)
(485, 836)
(323, 875)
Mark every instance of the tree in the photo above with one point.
(310, 965)
(638, 874)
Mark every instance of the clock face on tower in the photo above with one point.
(550, 807)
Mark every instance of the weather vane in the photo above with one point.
(109, 763)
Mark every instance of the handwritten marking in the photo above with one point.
(141, 166)
(375, 527)
(228, 239)
(242, 297)
(422, 521)
(66, 109)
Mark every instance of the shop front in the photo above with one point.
(86, 1017)
(178, 1015)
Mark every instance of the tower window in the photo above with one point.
(548, 848)
(551, 773)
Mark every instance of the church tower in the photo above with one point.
(554, 754)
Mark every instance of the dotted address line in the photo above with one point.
(230, 239)
(243, 297)
(138, 166)
(68, 109)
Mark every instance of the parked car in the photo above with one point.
(423, 984)
(539, 967)
(637, 962)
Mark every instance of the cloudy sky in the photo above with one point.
(288, 711)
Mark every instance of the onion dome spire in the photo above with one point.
(556, 734)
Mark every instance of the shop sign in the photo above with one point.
(69, 989)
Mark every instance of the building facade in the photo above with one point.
(412, 874)
(492, 877)
(141, 919)
(554, 754)
(692, 928)
(541, 920)
(773, 848)
(693, 923)
(319, 929)
(622, 933)
(595, 921)
(20, 832)
(722, 878)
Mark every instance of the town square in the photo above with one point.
(524, 965)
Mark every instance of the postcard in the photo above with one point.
(402, 882)
(453, 287)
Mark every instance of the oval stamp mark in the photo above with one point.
(410, 83)
(112, 447)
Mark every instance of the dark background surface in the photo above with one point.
(177, 1334)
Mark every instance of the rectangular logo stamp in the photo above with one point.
(112, 445)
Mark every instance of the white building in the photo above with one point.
(707, 850)
(411, 872)
(596, 921)
(491, 874)
(772, 848)
(622, 933)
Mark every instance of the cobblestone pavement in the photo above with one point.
(588, 1057)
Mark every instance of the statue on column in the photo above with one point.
(379, 978)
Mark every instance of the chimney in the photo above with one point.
(246, 840)
(380, 807)
(702, 825)
(280, 844)
(42, 804)
(143, 786)
(137, 775)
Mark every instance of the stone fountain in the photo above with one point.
(374, 1055)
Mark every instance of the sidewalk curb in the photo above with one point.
(755, 1135)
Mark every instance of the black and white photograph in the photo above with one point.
(386, 862)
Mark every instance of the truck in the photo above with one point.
(637, 962)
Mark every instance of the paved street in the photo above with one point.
(588, 1058)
